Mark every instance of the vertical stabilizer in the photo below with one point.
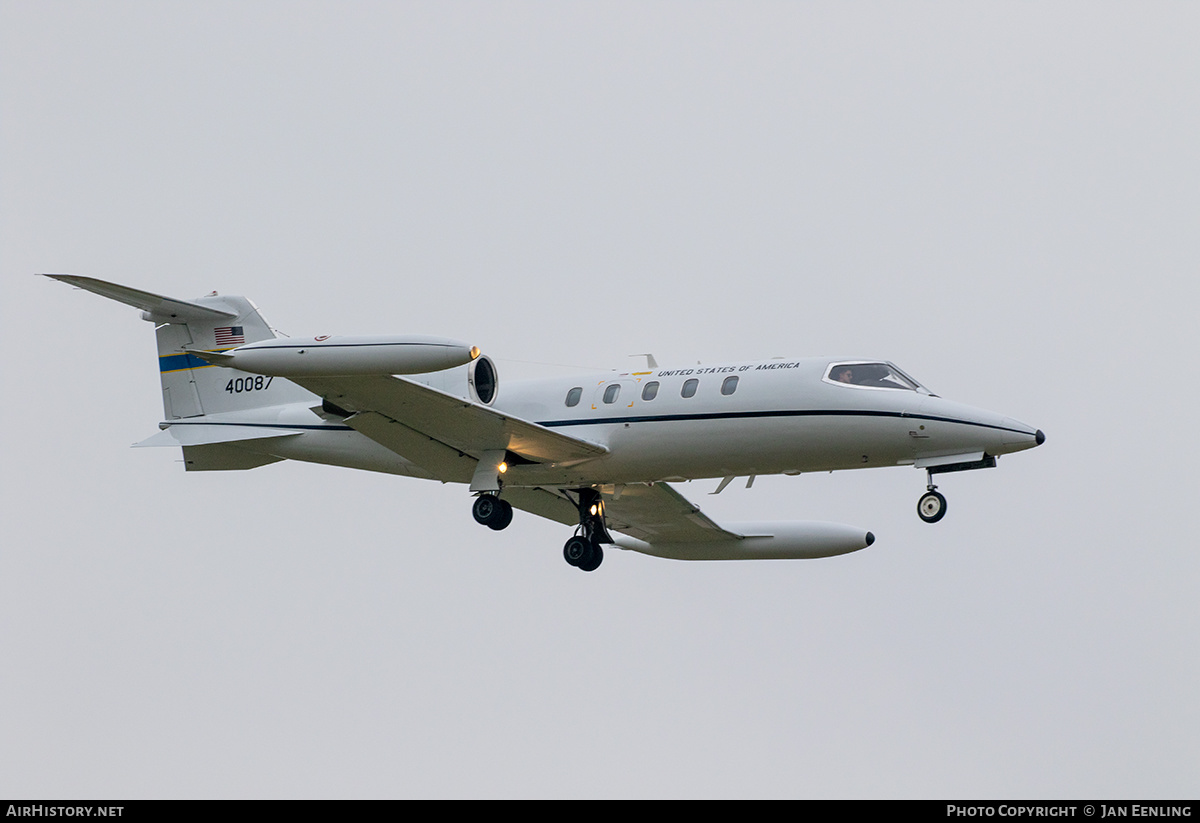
(191, 387)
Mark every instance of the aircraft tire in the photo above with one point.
(595, 558)
(931, 507)
(489, 510)
(504, 517)
(582, 553)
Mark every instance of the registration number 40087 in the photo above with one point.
(244, 384)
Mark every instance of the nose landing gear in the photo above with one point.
(932, 506)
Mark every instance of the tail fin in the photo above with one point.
(191, 387)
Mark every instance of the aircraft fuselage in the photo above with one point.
(782, 417)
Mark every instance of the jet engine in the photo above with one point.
(477, 381)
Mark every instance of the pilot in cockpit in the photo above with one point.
(871, 375)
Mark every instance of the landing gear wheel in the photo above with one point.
(593, 562)
(931, 507)
(506, 512)
(575, 550)
(583, 554)
(491, 511)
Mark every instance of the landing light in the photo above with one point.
(474, 352)
(502, 468)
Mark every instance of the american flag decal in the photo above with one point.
(229, 335)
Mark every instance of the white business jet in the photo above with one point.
(595, 453)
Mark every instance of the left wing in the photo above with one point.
(657, 513)
(442, 433)
(653, 512)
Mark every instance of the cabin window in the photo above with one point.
(871, 376)
(729, 386)
(689, 387)
(573, 396)
(650, 390)
(612, 393)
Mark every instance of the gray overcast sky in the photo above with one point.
(1003, 198)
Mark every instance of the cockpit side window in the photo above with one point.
(872, 376)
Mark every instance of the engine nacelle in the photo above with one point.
(478, 381)
(328, 356)
(482, 380)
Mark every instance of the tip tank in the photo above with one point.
(326, 356)
(763, 541)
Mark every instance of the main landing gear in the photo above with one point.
(489, 510)
(583, 554)
(583, 550)
(932, 506)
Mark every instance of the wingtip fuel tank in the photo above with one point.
(339, 355)
(791, 540)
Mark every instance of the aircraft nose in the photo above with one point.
(1021, 435)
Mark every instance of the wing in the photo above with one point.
(657, 513)
(447, 435)
(444, 434)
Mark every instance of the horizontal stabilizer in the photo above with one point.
(206, 434)
(223, 457)
(161, 309)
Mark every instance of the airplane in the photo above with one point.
(596, 453)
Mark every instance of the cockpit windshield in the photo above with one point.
(872, 376)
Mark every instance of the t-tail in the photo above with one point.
(192, 387)
(198, 396)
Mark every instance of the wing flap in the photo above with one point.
(656, 513)
(544, 503)
(443, 462)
